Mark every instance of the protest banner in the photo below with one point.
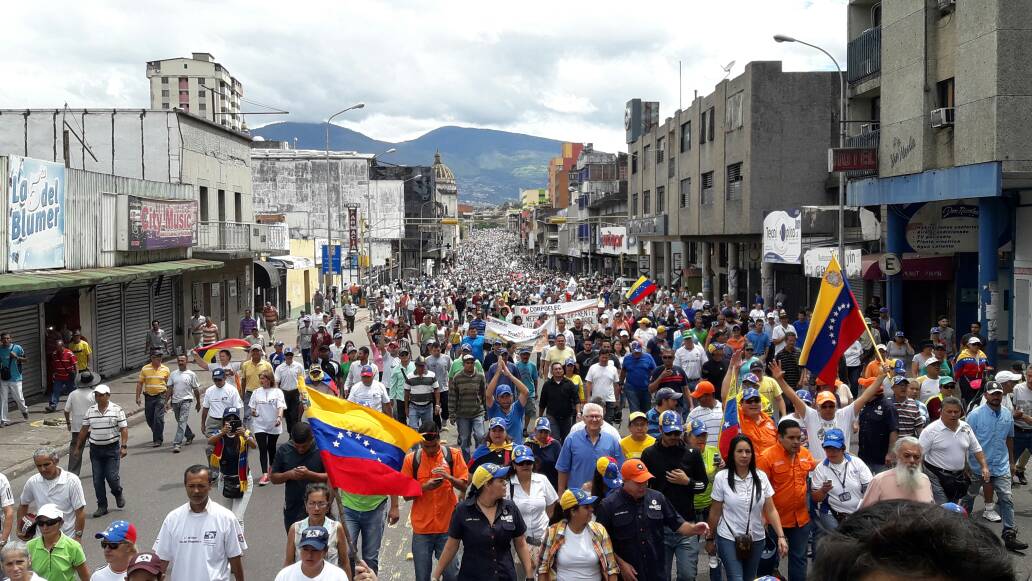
(537, 339)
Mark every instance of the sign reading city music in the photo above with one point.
(35, 214)
(852, 159)
(156, 224)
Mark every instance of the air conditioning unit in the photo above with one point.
(942, 117)
(947, 5)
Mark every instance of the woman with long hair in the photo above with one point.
(489, 527)
(497, 446)
(317, 506)
(266, 408)
(575, 546)
(742, 497)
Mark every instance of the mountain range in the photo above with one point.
(490, 166)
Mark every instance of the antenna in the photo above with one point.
(66, 128)
(679, 79)
(727, 69)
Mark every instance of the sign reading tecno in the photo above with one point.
(783, 237)
(156, 224)
(612, 240)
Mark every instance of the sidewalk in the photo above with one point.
(20, 439)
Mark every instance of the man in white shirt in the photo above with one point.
(644, 333)
(707, 410)
(839, 482)
(337, 349)
(370, 392)
(201, 539)
(185, 390)
(778, 333)
(216, 399)
(756, 312)
(55, 486)
(75, 408)
(690, 356)
(7, 507)
(354, 372)
(312, 564)
(602, 382)
(289, 375)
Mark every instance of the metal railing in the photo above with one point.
(867, 138)
(223, 236)
(270, 237)
(863, 56)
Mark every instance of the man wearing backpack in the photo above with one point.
(441, 471)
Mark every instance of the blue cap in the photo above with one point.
(900, 379)
(670, 421)
(218, 374)
(367, 371)
(498, 422)
(317, 538)
(543, 424)
(522, 454)
(575, 497)
(117, 532)
(611, 473)
(954, 507)
(834, 438)
(571, 361)
(699, 428)
(751, 378)
(805, 395)
(288, 350)
(231, 412)
(503, 390)
(636, 347)
(750, 393)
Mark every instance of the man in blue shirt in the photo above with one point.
(528, 374)
(475, 342)
(801, 324)
(501, 403)
(759, 339)
(582, 449)
(12, 357)
(994, 428)
(635, 375)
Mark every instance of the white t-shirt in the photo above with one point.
(736, 515)
(849, 481)
(330, 572)
(337, 352)
(200, 545)
(373, 395)
(6, 496)
(265, 404)
(603, 381)
(757, 314)
(76, 405)
(690, 360)
(65, 491)
(576, 560)
(606, 427)
(816, 426)
(532, 506)
(355, 373)
(930, 387)
(713, 418)
(287, 375)
(778, 333)
(106, 574)
(946, 449)
(1022, 399)
(183, 384)
(217, 399)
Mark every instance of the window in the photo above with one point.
(202, 106)
(686, 136)
(707, 188)
(645, 153)
(734, 181)
(634, 163)
(201, 93)
(660, 150)
(646, 203)
(944, 90)
(702, 129)
(164, 80)
(660, 199)
(222, 205)
(164, 105)
(634, 204)
(238, 206)
(164, 93)
(686, 191)
(712, 123)
(733, 113)
(204, 203)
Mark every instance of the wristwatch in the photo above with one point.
(77, 534)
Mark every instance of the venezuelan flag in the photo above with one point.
(361, 448)
(210, 352)
(837, 321)
(641, 288)
(730, 428)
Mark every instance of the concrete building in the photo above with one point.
(700, 183)
(943, 91)
(601, 198)
(559, 169)
(197, 85)
(447, 192)
(421, 246)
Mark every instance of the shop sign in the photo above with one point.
(353, 230)
(783, 236)
(35, 214)
(816, 261)
(853, 159)
(613, 240)
(156, 224)
(944, 228)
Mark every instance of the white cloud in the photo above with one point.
(558, 70)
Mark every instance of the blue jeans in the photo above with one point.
(1002, 488)
(638, 400)
(61, 387)
(417, 414)
(369, 525)
(105, 461)
(686, 549)
(1022, 442)
(182, 413)
(470, 427)
(737, 570)
(798, 538)
(154, 410)
(426, 548)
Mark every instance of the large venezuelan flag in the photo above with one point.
(641, 288)
(836, 322)
(361, 448)
(209, 352)
(730, 428)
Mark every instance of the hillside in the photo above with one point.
(490, 166)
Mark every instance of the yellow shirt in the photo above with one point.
(769, 392)
(82, 352)
(250, 372)
(155, 381)
(633, 448)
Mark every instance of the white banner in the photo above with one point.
(520, 336)
(783, 236)
(816, 260)
(612, 240)
(586, 309)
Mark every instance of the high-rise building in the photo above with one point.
(197, 85)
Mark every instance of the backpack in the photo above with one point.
(418, 455)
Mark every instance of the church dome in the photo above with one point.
(442, 173)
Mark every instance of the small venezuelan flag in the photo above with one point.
(641, 288)
(361, 448)
(836, 322)
(210, 352)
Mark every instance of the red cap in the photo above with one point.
(635, 471)
(702, 388)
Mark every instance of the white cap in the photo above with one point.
(102, 388)
(49, 511)
(974, 340)
(932, 360)
(1007, 376)
(881, 347)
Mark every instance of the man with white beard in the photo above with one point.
(904, 482)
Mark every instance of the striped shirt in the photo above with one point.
(909, 419)
(421, 388)
(155, 380)
(104, 426)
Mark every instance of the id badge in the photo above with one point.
(845, 496)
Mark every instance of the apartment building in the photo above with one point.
(701, 182)
(941, 89)
(559, 168)
(197, 85)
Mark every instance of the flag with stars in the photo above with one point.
(836, 323)
(730, 427)
(361, 448)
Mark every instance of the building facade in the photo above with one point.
(197, 85)
(559, 174)
(446, 191)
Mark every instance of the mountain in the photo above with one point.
(490, 166)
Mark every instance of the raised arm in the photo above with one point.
(732, 371)
(779, 375)
(871, 390)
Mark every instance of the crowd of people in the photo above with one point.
(593, 451)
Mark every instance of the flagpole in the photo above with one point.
(875, 343)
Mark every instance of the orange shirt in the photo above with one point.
(788, 477)
(762, 432)
(736, 344)
(431, 513)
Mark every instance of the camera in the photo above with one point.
(235, 424)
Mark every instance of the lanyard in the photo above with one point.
(845, 472)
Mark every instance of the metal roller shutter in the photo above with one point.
(164, 309)
(24, 325)
(109, 344)
(137, 306)
(857, 286)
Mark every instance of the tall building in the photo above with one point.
(559, 170)
(447, 194)
(940, 90)
(197, 85)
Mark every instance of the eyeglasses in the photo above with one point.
(753, 400)
(109, 545)
(431, 437)
(318, 504)
(45, 522)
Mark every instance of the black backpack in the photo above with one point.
(418, 455)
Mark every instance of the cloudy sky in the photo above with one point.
(556, 69)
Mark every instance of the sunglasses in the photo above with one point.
(431, 437)
(667, 357)
(828, 406)
(45, 522)
(109, 545)
(753, 400)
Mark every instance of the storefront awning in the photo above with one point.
(265, 274)
(48, 279)
(915, 267)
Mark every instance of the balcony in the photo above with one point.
(270, 238)
(869, 137)
(229, 237)
(863, 56)
(617, 192)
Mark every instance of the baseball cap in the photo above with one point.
(667, 393)
(751, 378)
(883, 310)
(756, 365)
(503, 390)
(900, 334)
(805, 395)
(543, 424)
(468, 357)
(750, 393)
(636, 416)
(645, 320)
(255, 348)
(946, 380)
(608, 468)
(148, 562)
(670, 421)
(486, 472)
(900, 380)
(993, 387)
(235, 412)
(698, 428)
(218, 374)
(931, 361)
(288, 350)
(466, 347)
(702, 388)
(49, 511)
(315, 372)
(1006, 375)
(420, 362)
(635, 471)
(498, 423)
(636, 347)
(974, 340)
(825, 397)
(522, 454)
(102, 389)
(367, 371)
(118, 531)
(575, 497)
(934, 330)
(834, 438)
(278, 343)
(571, 361)
(315, 537)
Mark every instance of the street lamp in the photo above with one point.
(842, 143)
(329, 212)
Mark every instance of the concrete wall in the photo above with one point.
(218, 163)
